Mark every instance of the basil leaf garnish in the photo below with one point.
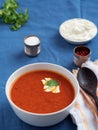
(52, 83)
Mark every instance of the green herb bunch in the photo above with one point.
(10, 15)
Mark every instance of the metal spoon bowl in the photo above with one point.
(88, 82)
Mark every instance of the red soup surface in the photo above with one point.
(27, 92)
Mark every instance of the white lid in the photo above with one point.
(32, 40)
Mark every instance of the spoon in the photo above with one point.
(88, 82)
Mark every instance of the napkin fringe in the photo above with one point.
(82, 122)
(91, 104)
(84, 119)
(88, 98)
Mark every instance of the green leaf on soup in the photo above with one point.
(52, 83)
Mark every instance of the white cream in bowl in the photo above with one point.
(78, 30)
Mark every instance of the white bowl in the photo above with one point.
(41, 119)
(78, 30)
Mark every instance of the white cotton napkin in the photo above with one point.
(84, 113)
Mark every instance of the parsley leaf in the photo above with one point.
(10, 15)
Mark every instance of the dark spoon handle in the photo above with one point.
(96, 101)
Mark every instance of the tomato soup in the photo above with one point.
(32, 93)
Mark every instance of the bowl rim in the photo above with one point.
(40, 114)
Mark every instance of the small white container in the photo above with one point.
(32, 45)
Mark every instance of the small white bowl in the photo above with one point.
(78, 30)
(41, 119)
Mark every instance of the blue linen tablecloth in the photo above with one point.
(45, 17)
